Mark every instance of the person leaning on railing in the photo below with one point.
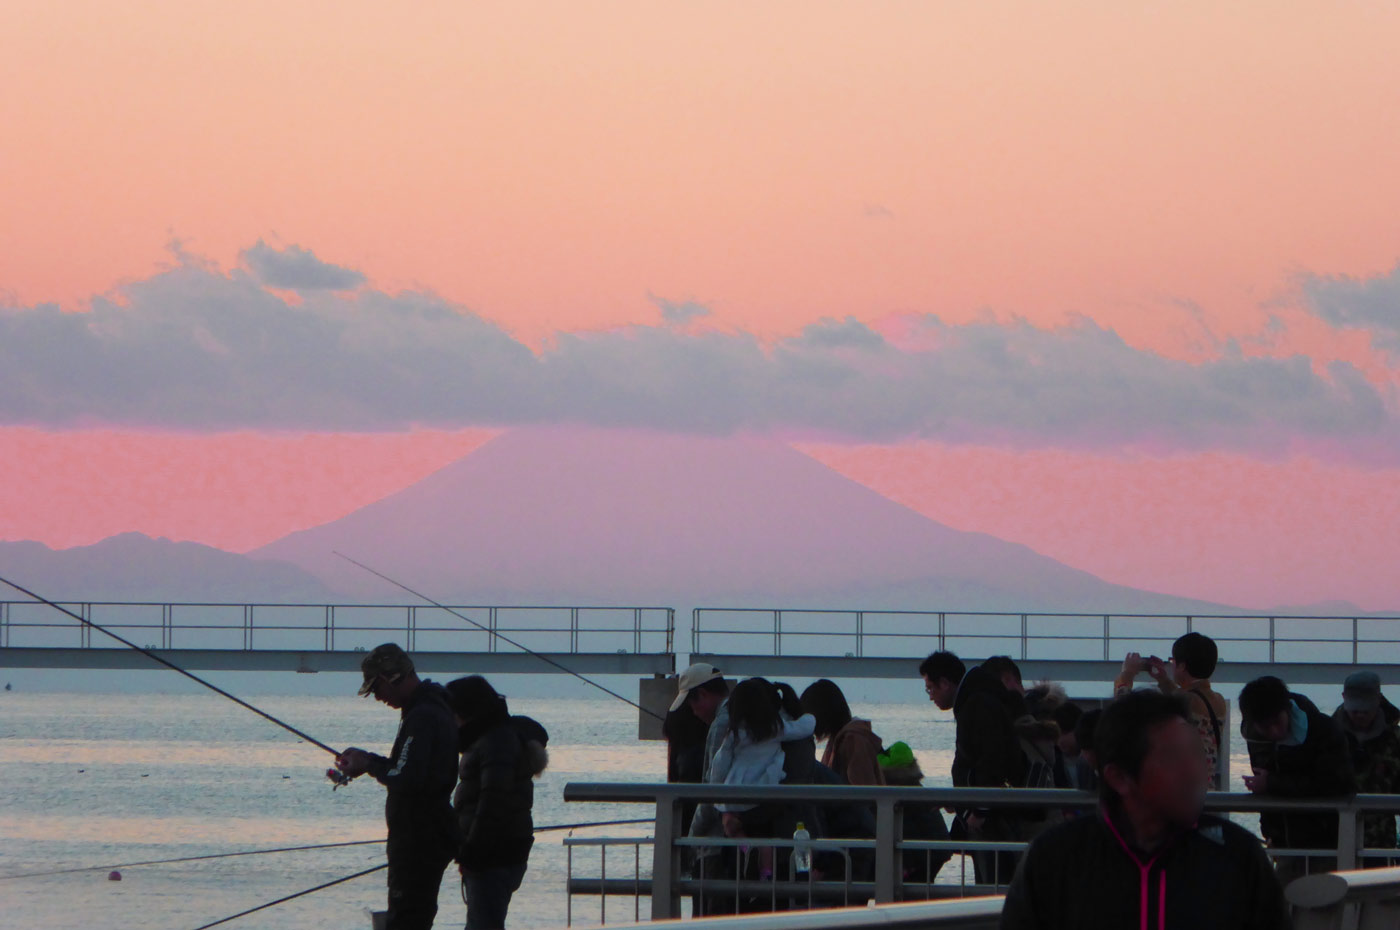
(1296, 751)
(1151, 859)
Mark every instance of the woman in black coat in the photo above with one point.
(501, 757)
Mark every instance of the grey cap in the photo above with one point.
(1362, 691)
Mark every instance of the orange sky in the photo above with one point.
(548, 164)
(1168, 170)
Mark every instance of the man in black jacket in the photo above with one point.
(1150, 859)
(986, 754)
(419, 773)
(1296, 751)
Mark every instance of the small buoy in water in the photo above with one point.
(114, 876)
(145, 776)
(286, 776)
(81, 771)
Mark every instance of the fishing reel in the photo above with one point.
(337, 777)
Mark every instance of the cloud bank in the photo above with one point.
(199, 349)
(1371, 304)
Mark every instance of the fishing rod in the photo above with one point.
(170, 665)
(282, 849)
(337, 881)
(283, 900)
(501, 636)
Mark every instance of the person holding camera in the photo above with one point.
(1192, 663)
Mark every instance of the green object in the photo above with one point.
(897, 756)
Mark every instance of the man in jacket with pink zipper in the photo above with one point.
(1151, 859)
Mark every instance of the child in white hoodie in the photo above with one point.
(752, 754)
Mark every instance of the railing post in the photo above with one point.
(330, 627)
(860, 633)
(694, 630)
(777, 633)
(573, 629)
(1107, 638)
(4, 623)
(1271, 640)
(1355, 626)
(665, 904)
(886, 850)
(493, 623)
(1346, 837)
(942, 631)
(1023, 638)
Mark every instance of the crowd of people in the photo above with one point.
(460, 788)
(1149, 856)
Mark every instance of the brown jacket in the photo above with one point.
(851, 752)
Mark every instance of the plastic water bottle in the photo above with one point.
(801, 853)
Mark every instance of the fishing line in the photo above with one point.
(501, 636)
(170, 665)
(282, 849)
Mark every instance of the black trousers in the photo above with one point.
(415, 875)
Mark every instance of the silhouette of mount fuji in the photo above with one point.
(623, 517)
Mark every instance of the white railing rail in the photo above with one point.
(1366, 899)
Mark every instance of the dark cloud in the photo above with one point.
(297, 269)
(195, 348)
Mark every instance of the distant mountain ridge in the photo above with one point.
(581, 515)
(136, 567)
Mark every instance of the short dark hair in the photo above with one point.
(1198, 653)
(998, 666)
(1067, 716)
(1123, 734)
(823, 699)
(943, 665)
(1084, 730)
(1263, 698)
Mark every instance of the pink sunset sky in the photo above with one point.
(1117, 281)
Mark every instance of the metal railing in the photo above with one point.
(1045, 636)
(328, 627)
(1322, 902)
(962, 914)
(668, 879)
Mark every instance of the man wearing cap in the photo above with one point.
(419, 774)
(1370, 724)
(703, 690)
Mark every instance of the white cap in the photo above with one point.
(692, 678)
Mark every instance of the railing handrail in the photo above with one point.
(959, 912)
(395, 605)
(1063, 614)
(664, 792)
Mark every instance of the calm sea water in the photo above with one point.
(96, 779)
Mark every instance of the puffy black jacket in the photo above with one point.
(420, 773)
(1319, 767)
(1082, 875)
(496, 793)
(987, 753)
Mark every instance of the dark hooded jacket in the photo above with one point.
(501, 756)
(1375, 759)
(1082, 875)
(419, 774)
(1318, 767)
(987, 753)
